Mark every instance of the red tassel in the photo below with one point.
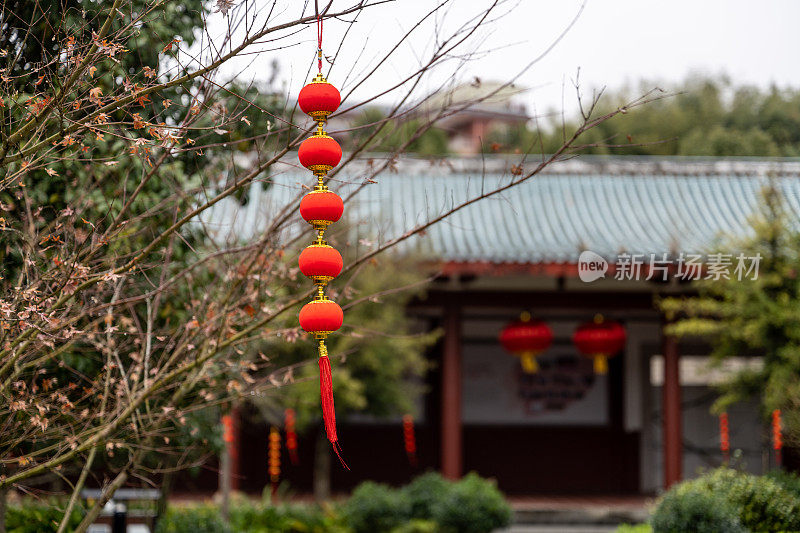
(326, 399)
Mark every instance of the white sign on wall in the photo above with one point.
(565, 390)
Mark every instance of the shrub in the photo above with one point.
(423, 493)
(473, 505)
(689, 508)
(194, 519)
(788, 480)
(634, 528)
(39, 518)
(417, 525)
(375, 507)
(762, 503)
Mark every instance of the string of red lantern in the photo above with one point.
(274, 458)
(777, 440)
(410, 440)
(321, 208)
(724, 438)
(291, 435)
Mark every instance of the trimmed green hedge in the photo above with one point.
(471, 505)
(429, 504)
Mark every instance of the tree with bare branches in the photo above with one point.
(124, 312)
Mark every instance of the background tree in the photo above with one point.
(754, 318)
(707, 117)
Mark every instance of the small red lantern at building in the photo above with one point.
(526, 338)
(600, 339)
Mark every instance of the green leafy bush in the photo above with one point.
(375, 507)
(634, 528)
(423, 493)
(473, 505)
(788, 480)
(761, 502)
(194, 519)
(285, 518)
(418, 525)
(688, 508)
(39, 518)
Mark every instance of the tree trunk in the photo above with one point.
(225, 481)
(161, 505)
(322, 467)
(3, 502)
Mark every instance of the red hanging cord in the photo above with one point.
(724, 438)
(319, 36)
(777, 440)
(326, 399)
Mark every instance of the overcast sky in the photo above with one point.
(614, 42)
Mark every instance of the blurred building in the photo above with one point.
(565, 430)
(481, 108)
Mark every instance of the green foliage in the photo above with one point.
(634, 528)
(762, 503)
(417, 525)
(473, 505)
(39, 517)
(424, 492)
(376, 507)
(205, 518)
(252, 518)
(393, 134)
(703, 117)
(789, 481)
(688, 508)
(758, 503)
(429, 503)
(754, 317)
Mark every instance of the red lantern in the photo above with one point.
(321, 208)
(526, 339)
(321, 316)
(319, 98)
(320, 262)
(319, 153)
(600, 340)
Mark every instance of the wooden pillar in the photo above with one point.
(451, 394)
(671, 410)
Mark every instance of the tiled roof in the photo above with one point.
(636, 205)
